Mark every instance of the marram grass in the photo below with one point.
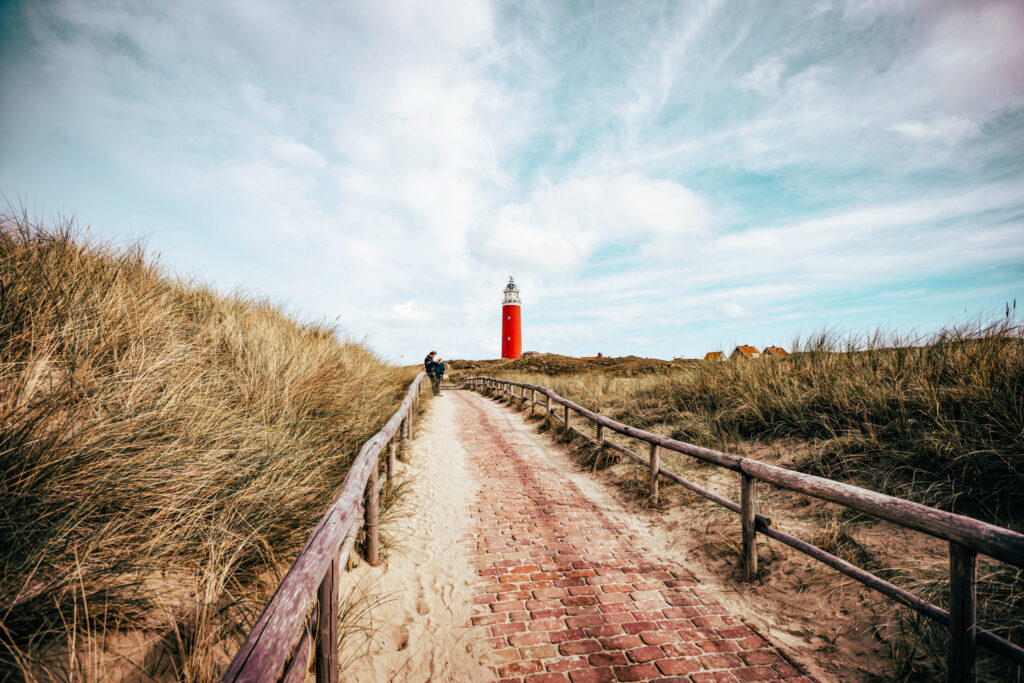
(938, 420)
(164, 452)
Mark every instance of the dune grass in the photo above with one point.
(164, 452)
(938, 420)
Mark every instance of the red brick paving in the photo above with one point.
(566, 591)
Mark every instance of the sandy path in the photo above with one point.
(422, 622)
(515, 566)
(571, 588)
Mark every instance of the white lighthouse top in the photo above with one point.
(511, 293)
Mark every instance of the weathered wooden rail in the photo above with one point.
(302, 615)
(967, 537)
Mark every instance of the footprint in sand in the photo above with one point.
(402, 637)
(422, 607)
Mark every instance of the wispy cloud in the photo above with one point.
(764, 77)
(668, 177)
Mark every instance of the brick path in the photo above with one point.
(566, 593)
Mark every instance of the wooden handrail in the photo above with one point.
(966, 536)
(264, 653)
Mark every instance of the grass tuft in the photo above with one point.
(164, 452)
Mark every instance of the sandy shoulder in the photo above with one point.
(419, 619)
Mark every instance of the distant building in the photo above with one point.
(511, 325)
(774, 351)
(714, 355)
(745, 352)
(527, 354)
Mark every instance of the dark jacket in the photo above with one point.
(439, 369)
(428, 364)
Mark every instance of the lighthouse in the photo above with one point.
(511, 329)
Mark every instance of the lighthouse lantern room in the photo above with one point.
(511, 329)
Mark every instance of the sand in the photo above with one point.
(420, 620)
(422, 627)
(668, 542)
(816, 618)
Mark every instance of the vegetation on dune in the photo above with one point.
(938, 420)
(555, 364)
(164, 452)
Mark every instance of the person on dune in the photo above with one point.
(429, 364)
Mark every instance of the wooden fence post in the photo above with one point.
(400, 439)
(654, 473)
(567, 417)
(372, 519)
(326, 661)
(547, 409)
(748, 509)
(392, 447)
(600, 433)
(533, 401)
(963, 614)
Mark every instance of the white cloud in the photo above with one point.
(298, 154)
(972, 55)
(948, 129)
(764, 77)
(406, 313)
(560, 226)
(520, 246)
(348, 156)
(732, 310)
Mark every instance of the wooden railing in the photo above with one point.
(302, 615)
(967, 537)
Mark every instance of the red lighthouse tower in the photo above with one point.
(511, 329)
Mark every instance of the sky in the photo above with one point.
(662, 179)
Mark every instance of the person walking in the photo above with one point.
(428, 364)
(438, 373)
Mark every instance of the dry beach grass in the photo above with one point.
(938, 420)
(164, 451)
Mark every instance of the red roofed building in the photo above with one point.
(774, 351)
(714, 355)
(745, 352)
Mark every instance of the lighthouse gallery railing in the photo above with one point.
(966, 536)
